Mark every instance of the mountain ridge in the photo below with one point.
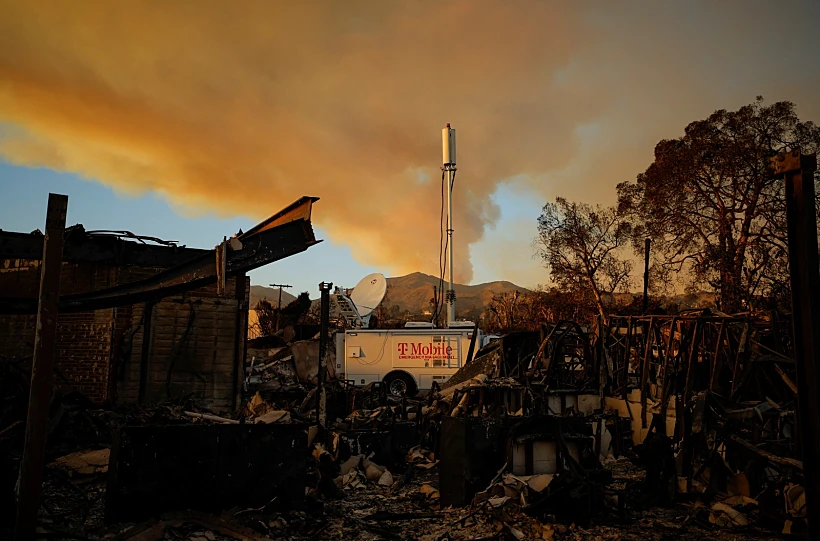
(412, 293)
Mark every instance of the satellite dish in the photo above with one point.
(368, 293)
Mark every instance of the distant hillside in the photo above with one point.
(410, 296)
(271, 294)
(413, 292)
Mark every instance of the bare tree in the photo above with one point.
(294, 312)
(580, 246)
(503, 311)
(553, 305)
(528, 310)
(265, 318)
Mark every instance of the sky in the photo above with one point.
(189, 120)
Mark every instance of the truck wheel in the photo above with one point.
(399, 383)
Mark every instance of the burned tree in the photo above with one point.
(301, 310)
(266, 318)
(711, 206)
(295, 312)
(554, 305)
(504, 311)
(528, 310)
(579, 245)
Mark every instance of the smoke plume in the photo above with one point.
(242, 107)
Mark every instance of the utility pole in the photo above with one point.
(321, 397)
(647, 242)
(279, 307)
(42, 368)
(801, 219)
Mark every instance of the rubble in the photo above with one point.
(258, 410)
(208, 417)
(84, 463)
(276, 365)
(421, 458)
(541, 437)
(409, 508)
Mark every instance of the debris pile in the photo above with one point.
(274, 364)
(84, 463)
(274, 371)
(259, 411)
(633, 431)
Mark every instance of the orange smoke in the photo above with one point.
(240, 108)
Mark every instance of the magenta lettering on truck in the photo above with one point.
(420, 355)
(426, 352)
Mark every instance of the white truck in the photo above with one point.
(406, 360)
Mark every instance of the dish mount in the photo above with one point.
(357, 307)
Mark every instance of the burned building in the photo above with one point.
(631, 425)
(141, 319)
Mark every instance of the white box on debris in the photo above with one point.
(406, 360)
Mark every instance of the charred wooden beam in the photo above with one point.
(81, 246)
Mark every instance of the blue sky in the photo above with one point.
(96, 206)
(23, 205)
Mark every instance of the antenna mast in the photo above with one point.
(448, 146)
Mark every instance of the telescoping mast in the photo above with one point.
(413, 358)
(448, 147)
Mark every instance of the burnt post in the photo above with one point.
(42, 367)
(145, 354)
(646, 243)
(473, 338)
(804, 270)
(321, 397)
(241, 337)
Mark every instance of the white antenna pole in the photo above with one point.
(448, 143)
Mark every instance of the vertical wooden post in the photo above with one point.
(321, 398)
(716, 359)
(646, 245)
(42, 368)
(471, 349)
(650, 329)
(804, 269)
(241, 345)
(627, 357)
(148, 310)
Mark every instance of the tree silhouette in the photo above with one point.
(580, 246)
(711, 206)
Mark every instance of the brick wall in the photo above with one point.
(82, 349)
(17, 336)
(127, 371)
(191, 352)
(83, 352)
(99, 352)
